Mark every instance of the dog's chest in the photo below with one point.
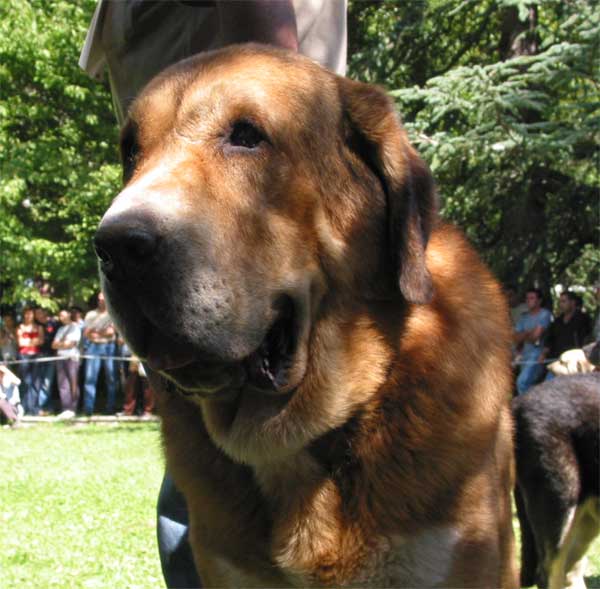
(424, 560)
(312, 545)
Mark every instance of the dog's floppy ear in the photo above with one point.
(376, 133)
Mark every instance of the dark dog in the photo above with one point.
(558, 472)
(331, 362)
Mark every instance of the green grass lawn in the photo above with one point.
(78, 508)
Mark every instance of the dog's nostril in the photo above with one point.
(105, 258)
(103, 255)
(124, 250)
(139, 245)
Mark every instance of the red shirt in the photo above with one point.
(29, 333)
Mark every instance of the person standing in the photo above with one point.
(136, 383)
(529, 333)
(29, 340)
(66, 344)
(100, 334)
(77, 316)
(8, 338)
(570, 330)
(47, 370)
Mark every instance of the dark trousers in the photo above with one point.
(173, 545)
(30, 383)
(133, 384)
(46, 375)
(67, 373)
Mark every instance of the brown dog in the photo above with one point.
(331, 362)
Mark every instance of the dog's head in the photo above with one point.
(259, 187)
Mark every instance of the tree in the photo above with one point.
(506, 112)
(58, 156)
(500, 96)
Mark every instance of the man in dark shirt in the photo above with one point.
(569, 330)
(47, 369)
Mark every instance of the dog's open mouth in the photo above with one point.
(267, 368)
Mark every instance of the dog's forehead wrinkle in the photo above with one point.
(276, 99)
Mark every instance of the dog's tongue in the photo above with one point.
(167, 354)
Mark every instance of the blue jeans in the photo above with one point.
(30, 383)
(530, 374)
(46, 372)
(92, 369)
(173, 544)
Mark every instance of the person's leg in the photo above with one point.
(530, 374)
(8, 410)
(64, 388)
(25, 376)
(29, 392)
(131, 385)
(148, 397)
(110, 377)
(174, 548)
(46, 376)
(73, 376)
(92, 367)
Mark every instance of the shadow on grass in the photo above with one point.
(593, 581)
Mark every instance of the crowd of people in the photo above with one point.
(43, 354)
(47, 361)
(539, 338)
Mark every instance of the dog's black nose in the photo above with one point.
(125, 246)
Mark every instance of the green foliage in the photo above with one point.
(512, 139)
(500, 96)
(57, 151)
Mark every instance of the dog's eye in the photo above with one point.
(129, 152)
(245, 134)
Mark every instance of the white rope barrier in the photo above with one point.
(59, 358)
(130, 358)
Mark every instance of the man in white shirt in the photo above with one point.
(66, 343)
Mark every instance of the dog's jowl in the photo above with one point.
(331, 361)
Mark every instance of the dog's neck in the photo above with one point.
(344, 373)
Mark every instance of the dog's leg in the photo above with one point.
(529, 555)
(556, 561)
(568, 568)
(586, 527)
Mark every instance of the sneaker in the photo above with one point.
(66, 414)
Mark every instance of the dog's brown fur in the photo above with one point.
(388, 459)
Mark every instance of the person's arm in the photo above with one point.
(89, 330)
(63, 344)
(22, 341)
(584, 329)
(108, 331)
(259, 21)
(549, 337)
(520, 334)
